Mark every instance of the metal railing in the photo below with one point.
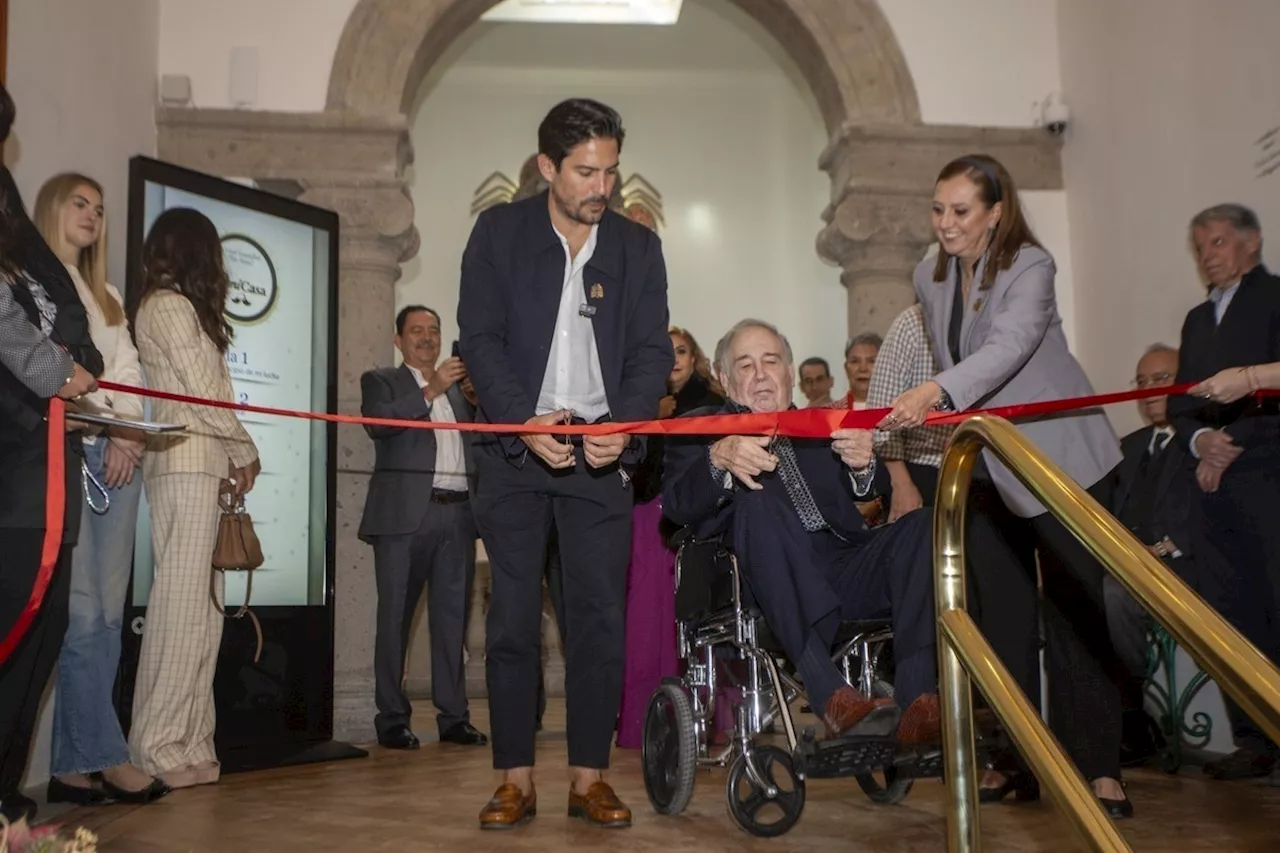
(1236, 665)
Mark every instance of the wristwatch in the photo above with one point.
(944, 401)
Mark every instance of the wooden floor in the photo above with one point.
(428, 800)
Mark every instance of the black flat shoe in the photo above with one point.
(1024, 787)
(149, 794)
(1118, 809)
(464, 734)
(60, 792)
(15, 807)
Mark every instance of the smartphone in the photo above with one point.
(456, 353)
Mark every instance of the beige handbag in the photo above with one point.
(237, 550)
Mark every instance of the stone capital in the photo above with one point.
(907, 158)
(876, 231)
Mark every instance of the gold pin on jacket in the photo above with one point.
(597, 291)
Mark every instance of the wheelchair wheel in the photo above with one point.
(670, 751)
(894, 790)
(751, 807)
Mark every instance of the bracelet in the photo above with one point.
(1252, 377)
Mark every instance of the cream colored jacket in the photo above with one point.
(178, 357)
(119, 358)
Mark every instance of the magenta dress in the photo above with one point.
(651, 621)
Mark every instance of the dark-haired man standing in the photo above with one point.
(563, 318)
(417, 517)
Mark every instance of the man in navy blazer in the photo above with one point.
(563, 318)
(1237, 446)
(417, 517)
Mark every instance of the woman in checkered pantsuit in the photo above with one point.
(182, 339)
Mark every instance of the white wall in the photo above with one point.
(732, 151)
(82, 73)
(1168, 99)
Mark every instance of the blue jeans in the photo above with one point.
(86, 731)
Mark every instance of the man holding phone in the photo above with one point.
(417, 517)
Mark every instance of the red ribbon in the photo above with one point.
(55, 504)
(795, 423)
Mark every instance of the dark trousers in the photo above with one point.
(516, 506)
(1085, 711)
(24, 676)
(555, 592)
(1000, 567)
(1241, 520)
(807, 583)
(440, 556)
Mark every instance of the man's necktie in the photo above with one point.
(797, 488)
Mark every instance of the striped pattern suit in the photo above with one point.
(173, 711)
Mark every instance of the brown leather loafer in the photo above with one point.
(846, 708)
(601, 806)
(508, 808)
(922, 722)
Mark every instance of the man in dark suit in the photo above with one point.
(1157, 498)
(790, 509)
(418, 518)
(563, 313)
(1237, 445)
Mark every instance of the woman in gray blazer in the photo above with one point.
(989, 305)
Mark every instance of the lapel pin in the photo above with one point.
(977, 306)
(597, 291)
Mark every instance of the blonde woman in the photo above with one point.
(90, 756)
(182, 337)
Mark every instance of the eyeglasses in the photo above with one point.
(1155, 380)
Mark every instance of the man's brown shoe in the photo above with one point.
(846, 708)
(601, 806)
(921, 722)
(509, 808)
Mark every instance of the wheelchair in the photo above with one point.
(718, 627)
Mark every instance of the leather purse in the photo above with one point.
(236, 550)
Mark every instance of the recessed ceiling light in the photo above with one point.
(661, 12)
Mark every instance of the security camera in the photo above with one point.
(1054, 115)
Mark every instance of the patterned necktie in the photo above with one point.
(797, 488)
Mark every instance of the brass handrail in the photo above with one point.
(1233, 662)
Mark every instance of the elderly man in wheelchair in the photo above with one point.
(782, 516)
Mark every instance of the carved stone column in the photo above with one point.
(882, 178)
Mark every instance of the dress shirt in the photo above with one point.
(573, 379)
(1221, 298)
(1160, 437)
(451, 470)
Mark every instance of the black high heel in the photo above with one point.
(1023, 785)
(1117, 809)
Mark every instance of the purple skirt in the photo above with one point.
(651, 628)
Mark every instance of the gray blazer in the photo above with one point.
(405, 459)
(1013, 350)
(27, 352)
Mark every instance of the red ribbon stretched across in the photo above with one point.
(795, 423)
(55, 504)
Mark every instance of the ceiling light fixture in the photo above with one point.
(653, 12)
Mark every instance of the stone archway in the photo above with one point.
(352, 158)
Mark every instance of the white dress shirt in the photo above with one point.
(451, 468)
(573, 379)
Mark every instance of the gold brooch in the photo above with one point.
(597, 291)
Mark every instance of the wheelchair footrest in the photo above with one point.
(852, 755)
(920, 763)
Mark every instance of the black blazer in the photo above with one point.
(1248, 334)
(692, 498)
(512, 275)
(1175, 511)
(23, 430)
(647, 479)
(404, 459)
